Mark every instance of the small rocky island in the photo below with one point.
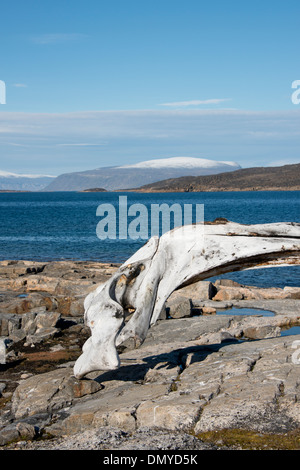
(94, 190)
(204, 378)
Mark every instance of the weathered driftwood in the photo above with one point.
(180, 257)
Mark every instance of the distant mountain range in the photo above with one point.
(133, 176)
(286, 178)
(178, 174)
(16, 182)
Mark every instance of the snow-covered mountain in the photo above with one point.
(16, 182)
(182, 162)
(139, 174)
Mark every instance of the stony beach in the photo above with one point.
(201, 380)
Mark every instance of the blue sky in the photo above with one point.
(99, 83)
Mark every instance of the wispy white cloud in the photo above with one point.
(37, 144)
(57, 38)
(81, 140)
(19, 85)
(183, 104)
(82, 144)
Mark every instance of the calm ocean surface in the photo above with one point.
(57, 226)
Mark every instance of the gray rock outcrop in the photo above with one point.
(196, 373)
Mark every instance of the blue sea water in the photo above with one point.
(62, 225)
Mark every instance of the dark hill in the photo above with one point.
(284, 178)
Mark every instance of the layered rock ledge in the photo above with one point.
(198, 378)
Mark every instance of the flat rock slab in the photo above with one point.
(183, 386)
(186, 329)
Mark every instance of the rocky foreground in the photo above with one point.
(201, 380)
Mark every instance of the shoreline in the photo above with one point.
(211, 190)
(56, 260)
(160, 191)
(42, 318)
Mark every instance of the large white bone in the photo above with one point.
(178, 258)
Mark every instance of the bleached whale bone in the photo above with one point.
(178, 258)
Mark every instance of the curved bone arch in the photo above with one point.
(178, 258)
